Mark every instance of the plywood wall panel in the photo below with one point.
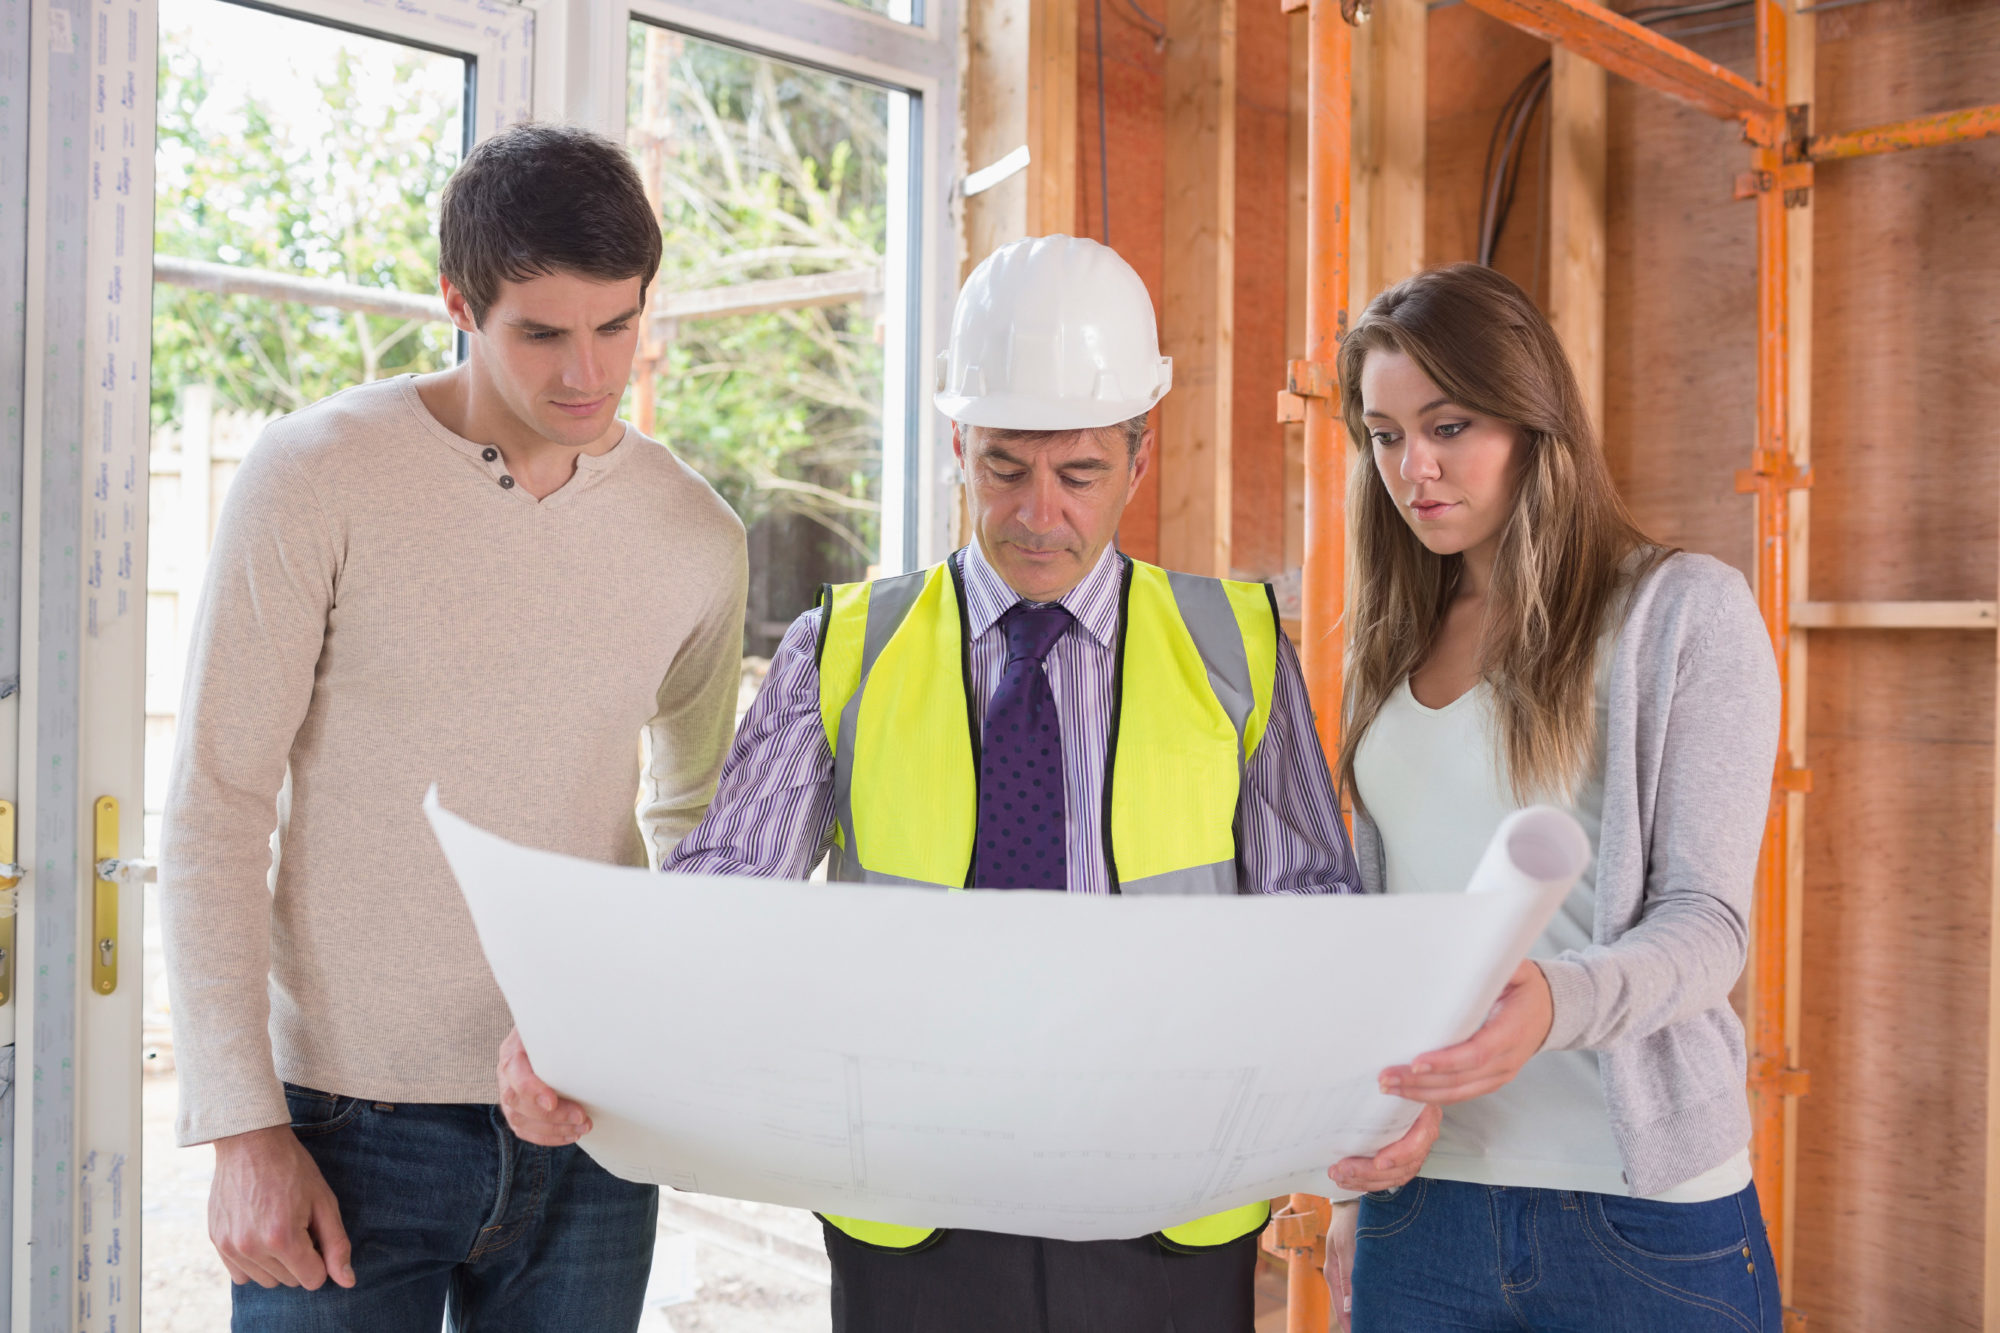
(1906, 394)
(1906, 386)
(1897, 866)
(1680, 392)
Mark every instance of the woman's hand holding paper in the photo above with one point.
(1396, 1164)
(1488, 1059)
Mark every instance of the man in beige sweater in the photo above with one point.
(479, 578)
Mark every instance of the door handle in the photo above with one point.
(104, 920)
(10, 875)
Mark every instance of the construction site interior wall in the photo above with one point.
(1890, 1185)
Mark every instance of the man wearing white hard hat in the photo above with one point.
(1039, 711)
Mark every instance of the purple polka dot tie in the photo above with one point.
(1021, 764)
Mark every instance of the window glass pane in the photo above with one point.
(763, 362)
(303, 151)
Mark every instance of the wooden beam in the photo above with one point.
(1391, 55)
(1052, 32)
(1577, 119)
(1262, 293)
(1293, 408)
(1893, 615)
(1020, 89)
(1637, 53)
(996, 123)
(1198, 323)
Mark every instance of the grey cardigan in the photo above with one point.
(1691, 738)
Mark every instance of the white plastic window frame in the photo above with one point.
(588, 75)
(497, 37)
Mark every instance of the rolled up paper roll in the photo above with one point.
(1537, 848)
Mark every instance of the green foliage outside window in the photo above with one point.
(240, 183)
(763, 170)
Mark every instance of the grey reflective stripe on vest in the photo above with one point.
(1218, 638)
(1211, 623)
(850, 874)
(889, 602)
(1219, 879)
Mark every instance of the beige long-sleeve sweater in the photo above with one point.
(382, 613)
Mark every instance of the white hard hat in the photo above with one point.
(1052, 333)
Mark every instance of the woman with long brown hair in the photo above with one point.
(1514, 639)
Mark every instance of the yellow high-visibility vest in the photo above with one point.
(1196, 661)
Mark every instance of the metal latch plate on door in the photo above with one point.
(8, 880)
(104, 920)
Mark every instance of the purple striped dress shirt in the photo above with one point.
(773, 812)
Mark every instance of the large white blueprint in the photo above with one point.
(1038, 1063)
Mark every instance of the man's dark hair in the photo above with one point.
(539, 198)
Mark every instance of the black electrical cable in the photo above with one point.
(1662, 13)
(1487, 174)
(1501, 175)
(1727, 25)
(1516, 154)
(1144, 22)
(1159, 28)
(1103, 159)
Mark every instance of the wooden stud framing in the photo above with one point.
(1295, 307)
(996, 122)
(1391, 56)
(1020, 88)
(1052, 32)
(1198, 324)
(1894, 615)
(1261, 348)
(1577, 120)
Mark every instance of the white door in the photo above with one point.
(119, 396)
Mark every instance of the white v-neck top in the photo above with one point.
(1434, 783)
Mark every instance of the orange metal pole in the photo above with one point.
(1978, 122)
(1771, 478)
(1298, 1235)
(1301, 1231)
(1328, 150)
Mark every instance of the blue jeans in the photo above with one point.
(452, 1216)
(1437, 1255)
